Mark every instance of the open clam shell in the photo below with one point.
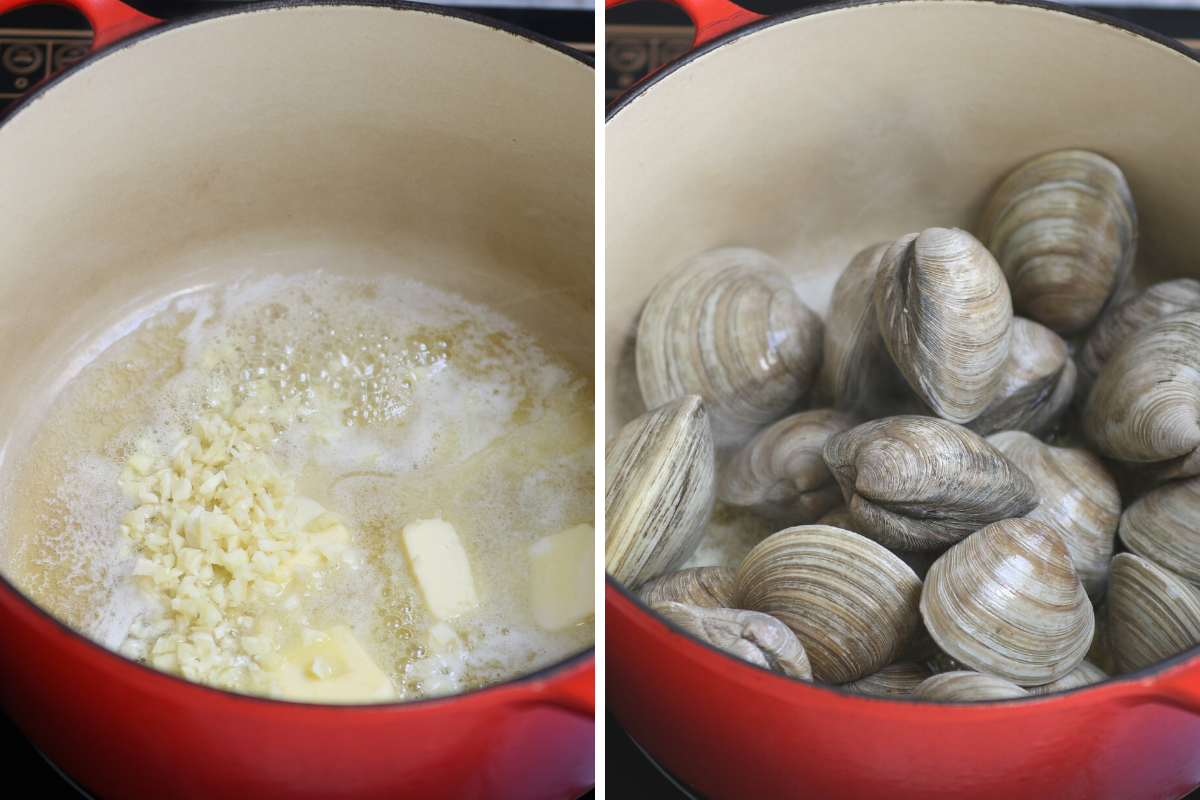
(708, 587)
(894, 680)
(946, 317)
(967, 687)
(1126, 319)
(1063, 227)
(728, 326)
(1152, 613)
(780, 473)
(1080, 501)
(921, 483)
(1163, 525)
(1038, 384)
(1085, 674)
(749, 635)
(658, 491)
(858, 373)
(850, 602)
(1145, 407)
(1006, 601)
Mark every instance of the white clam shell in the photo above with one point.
(1145, 407)
(1085, 674)
(751, 636)
(658, 495)
(894, 680)
(781, 474)
(967, 687)
(850, 602)
(1038, 384)
(729, 327)
(857, 373)
(1063, 227)
(1080, 501)
(1152, 613)
(1006, 601)
(946, 316)
(1163, 525)
(710, 587)
(921, 483)
(1126, 319)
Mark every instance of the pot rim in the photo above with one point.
(1126, 680)
(639, 88)
(34, 94)
(495, 691)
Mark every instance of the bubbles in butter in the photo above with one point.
(393, 401)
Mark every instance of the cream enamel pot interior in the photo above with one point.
(354, 137)
(810, 135)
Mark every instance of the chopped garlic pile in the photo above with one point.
(217, 533)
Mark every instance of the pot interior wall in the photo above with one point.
(815, 137)
(354, 138)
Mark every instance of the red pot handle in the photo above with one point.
(575, 692)
(110, 19)
(711, 17)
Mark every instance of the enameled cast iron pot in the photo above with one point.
(810, 135)
(356, 137)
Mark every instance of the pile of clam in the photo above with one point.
(930, 542)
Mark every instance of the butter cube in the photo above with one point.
(563, 587)
(440, 566)
(332, 668)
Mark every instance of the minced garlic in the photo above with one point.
(216, 531)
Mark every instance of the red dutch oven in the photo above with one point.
(354, 136)
(810, 135)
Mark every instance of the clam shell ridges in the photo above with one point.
(967, 687)
(894, 680)
(946, 316)
(710, 587)
(1080, 501)
(1038, 384)
(1111, 331)
(1006, 601)
(781, 473)
(1164, 526)
(920, 483)
(752, 636)
(1085, 674)
(1145, 407)
(858, 372)
(851, 603)
(1064, 229)
(1152, 614)
(658, 478)
(729, 327)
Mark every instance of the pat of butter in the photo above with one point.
(563, 589)
(440, 566)
(332, 667)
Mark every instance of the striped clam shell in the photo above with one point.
(1126, 319)
(780, 473)
(729, 327)
(1145, 407)
(751, 636)
(1085, 674)
(1163, 525)
(658, 491)
(1006, 601)
(946, 316)
(1080, 501)
(851, 603)
(1063, 227)
(920, 483)
(1038, 384)
(967, 687)
(710, 587)
(894, 680)
(1152, 613)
